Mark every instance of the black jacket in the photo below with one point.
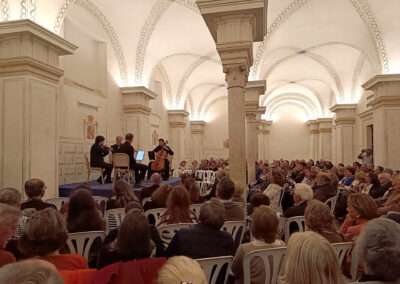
(148, 191)
(376, 192)
(296, 210)
(97, 154)
(128, 149)
(115, 148)
(201, 241)
(38, 204)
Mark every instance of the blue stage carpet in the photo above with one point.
(106, 189)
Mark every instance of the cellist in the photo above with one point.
(162, 150)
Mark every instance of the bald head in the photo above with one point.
(155, 178)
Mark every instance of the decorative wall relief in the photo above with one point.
(89, 127)
(225, 144)
(154, 137)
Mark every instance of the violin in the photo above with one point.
(159, 162)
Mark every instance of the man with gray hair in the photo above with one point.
(155, 181)
(311, 175)
(302, 194)
(10, 196)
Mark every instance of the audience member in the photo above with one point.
(378, 250)
(159, 197)
(311, 259)
(340, 172)
(362, 209)
(310, 175)
(391, 199)
(323, 189)
(218, 176)
(10, 196)
(379, 170)
(123, 194)
(178, 208)
(182, 168)
(385, 181)
(274, 189)
(302, 194)
(298, 173)
(82, 213)
(204, 239)
(334, 180)
(194, 194)
(181, 269)
(237, 195)
(83, 185)
(188, 182)
(195, 167)
(155, 181)
(320, 219)
(224, 192)
(8, 225)
(348, 177)
(371, 184)
(359, 181)
(35, 190)
(264, 229)
(44, 235)
(256, 200)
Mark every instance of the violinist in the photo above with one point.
(162, 151)
(97, 153)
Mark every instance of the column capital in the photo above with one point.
(386, 90)
(345, 113)
(198, 126)
(177, 118)
(313, 126)
(325, 125)
(260, 111)
(30, 49)
(266, 125)
(135, 100)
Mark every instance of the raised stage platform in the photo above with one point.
(106, 189)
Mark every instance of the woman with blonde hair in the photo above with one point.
(310, 259)
(181, 269)
(123, 194)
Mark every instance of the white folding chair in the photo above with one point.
(236, 229)
(212, 267)
(189, 172)
(80, 243)
(155, 214)
(354, 266)
(301, 224)
(144, 200)
(167, 232)
(199, 174)
(57, 201)
(331, 202)
(272, 259)
(342, 250)
(196, 209)
(114, 218)
(282, 227)
(101, 200)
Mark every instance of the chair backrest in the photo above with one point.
(120, 160)
(282, 227)
(196, 209)
(342, 250)
(155, 213)
(280, 210)
(144, 200)
(102, 201)
(331, 202)
(57, 201)
(272, 259)
(208, 176)
(80, 243)
(114, 218)
(212, 267)
(167, 232)
(354, 266)
(301, 224)
(236, 229)
(199, 174)
(87, 161)
(187, 171)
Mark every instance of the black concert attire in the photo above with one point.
(115, 148)
(165, 173)
(97, 154)
(140, 170)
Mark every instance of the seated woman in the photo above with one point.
(182, 168)
(83, 185)
(133, 241)
(361, 208)
(159, 197)
(264, 228)
(378, 248)
(319, 219)
(181, 267)
(194, 195)
(273, 191)
(371, 183)
(123, 194)
(311, 259)
(359, 181)
(348, 178)
(391, 198)
(44, 235)
(8, 225)
(83, 215)
(178, 208)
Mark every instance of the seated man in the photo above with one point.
(224, 192)
(155, 181)
(97, 153)
(323, 189)
(385, 181)
(299, 174)
(35, 189)
(302, 194)
(162, 146)
(127, 148)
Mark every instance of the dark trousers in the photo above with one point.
(164, 173)
(107, 169)
(140, 171)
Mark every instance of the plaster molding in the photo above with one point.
(294, 96)
(383, 83)
(289, 102)
(356, 77)
(167, 83)
(385, 102)
(177, 118)
(135, 100)
(4, 10)
(28, 9)
(137, 109)
(207, 108)
(205, 97)
(197, 126)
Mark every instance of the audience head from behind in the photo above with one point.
(323, 178)
(361, 206)
(133, 205)
(155, 179)
(372, 178)
(10, 196)
(8, 222)
(310, 250)
(264, 224)
(225, 188)
(258, 199)
(237, 195)
(181, 269)
(160, 196)
(33, 271)
(35, 188)
(194, 194)
(378, 251)
(212, 214)
(82, 213)
(302, 192)
(276, 176)
(123, 194)
(188, 182)
(334, 180)
(178, 207)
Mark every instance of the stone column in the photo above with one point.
(325, 138)
(177, 124)
(198, 139)
(135, 101)
(29, 78)
(344, 128)
(266, 126)
(253, 91)
(385, 106)
(313, 128)
(260, 134)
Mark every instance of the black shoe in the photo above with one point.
(99, 180)
(108, 181)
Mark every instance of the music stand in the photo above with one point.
(152, 156)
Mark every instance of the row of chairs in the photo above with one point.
(204, 179)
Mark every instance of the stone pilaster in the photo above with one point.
(135, 101)
(177, 125)
(260, 134)
(325, 138)
(385, 106)
(253, 91)
(313, 128)
(198, 139)
(29, 76)
(344, 133)
(266, 126)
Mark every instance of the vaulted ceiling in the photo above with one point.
(316, 52)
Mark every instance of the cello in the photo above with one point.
(159, 162)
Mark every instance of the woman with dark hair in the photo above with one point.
(123, 194)
(273, 191)
(194, 194)
(159, 197)
(83, 185)
(371, 183)
(133, 241)
(178, 208)
(82, 213)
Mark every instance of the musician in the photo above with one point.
(127, 148)
(162, 146)
(118, 142)
(97, 153)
